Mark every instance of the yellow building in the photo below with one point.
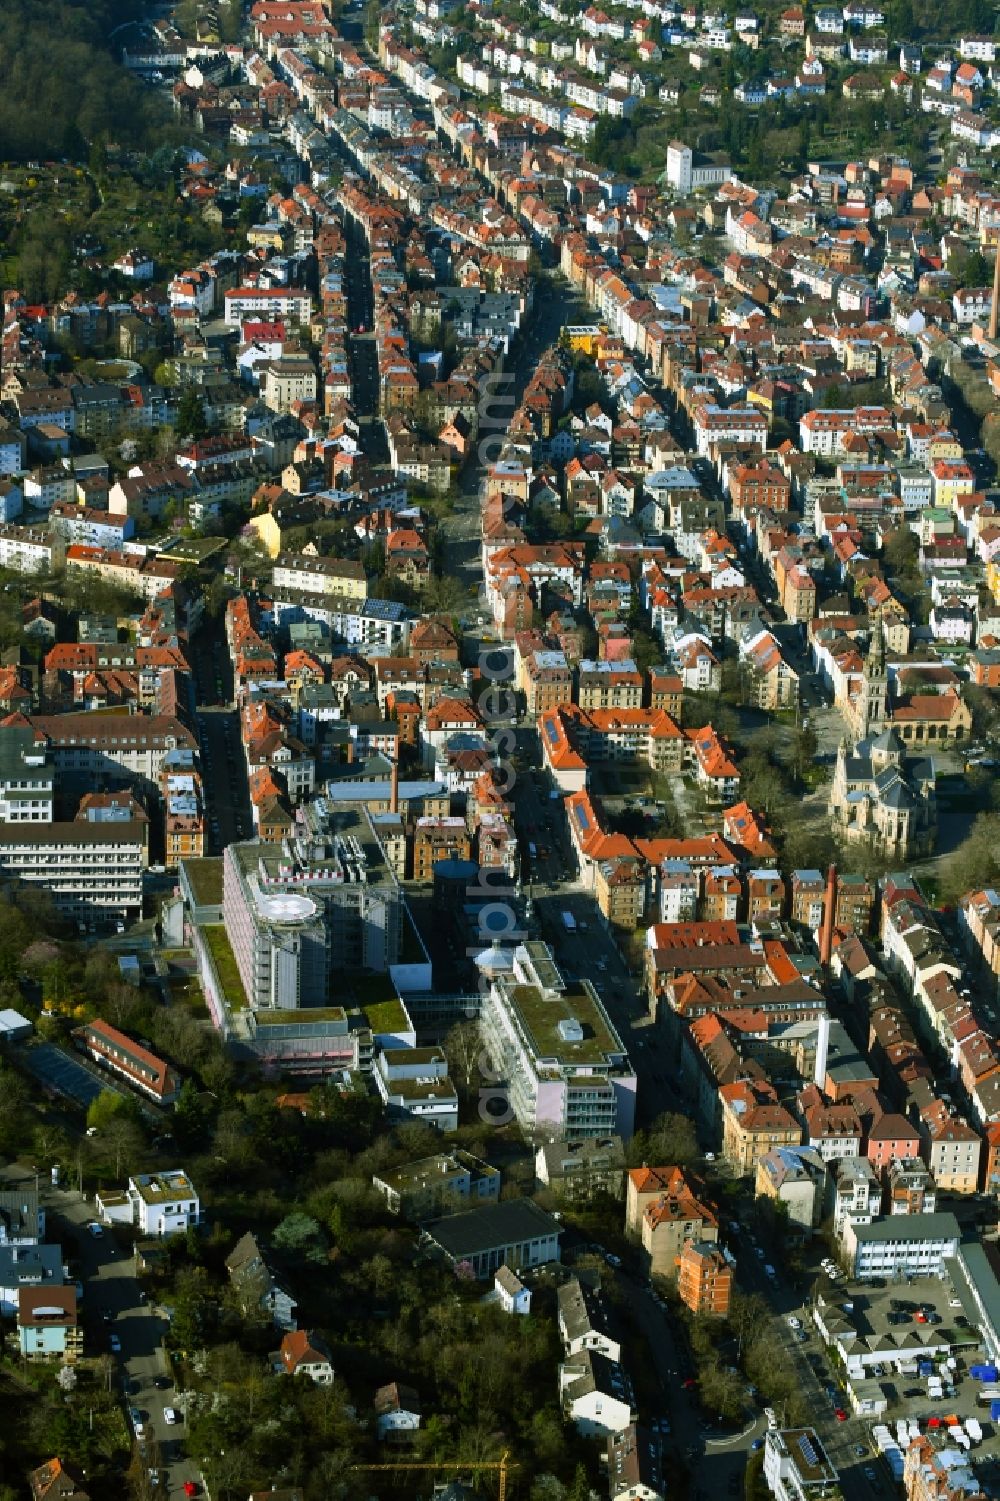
(753, 1123)
(583, 338)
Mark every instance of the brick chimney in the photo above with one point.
(394, 785)
(829, 913)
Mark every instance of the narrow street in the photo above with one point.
(114, 1308)
(558, 306)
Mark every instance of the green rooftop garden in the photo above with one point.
(224, 960)
(205, 879)
(541, 1014)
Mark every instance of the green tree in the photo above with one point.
(762, 784)
(671, 1140)
(194, 1310)
(806, 747)
(191, 421)
(900, 550)
(109, 1106)
(300, 1235)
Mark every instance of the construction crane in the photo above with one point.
(502, 1465)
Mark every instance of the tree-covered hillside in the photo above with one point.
(61, 85)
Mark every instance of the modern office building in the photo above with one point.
(916, 1245)
(560, 1063)
(323, 901)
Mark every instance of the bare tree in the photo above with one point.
(463, 1046)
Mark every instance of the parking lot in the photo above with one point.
(898, 1340)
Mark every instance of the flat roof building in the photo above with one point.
(517, 1232)
(914, 1244)
(559, 1057)
(323, 900)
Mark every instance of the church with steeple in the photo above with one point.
(880, 795)
(872, 709)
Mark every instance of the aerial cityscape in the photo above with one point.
(499, 734)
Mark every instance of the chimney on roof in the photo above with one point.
(829, 912)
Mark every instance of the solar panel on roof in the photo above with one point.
(808, 1452)
(581, 818)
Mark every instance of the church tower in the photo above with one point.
(872, 698)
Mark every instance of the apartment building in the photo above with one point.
(754, 1123)
(343, 577)
(578, 1170)
(670, 1221)
(434, 1185)
(853, 1193)
(269, 304)
(952, 1150)
(705, 1279)
(563, 1068)
(436, 839)
(115, 749)
(164, 1203)
(796, 1466)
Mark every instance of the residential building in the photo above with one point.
(754, 1123)
(596, 1394)
(22, 1220)
(796, 1465)
(27, 1266)
(257, 1287)
(853, 1194)
(704, 1279)
(52, 1481)
(116, 1051)
(511, 1293)
(581, 1169)
(635, 1471)
(434, 1185)
(585, 1321)
(397, 1413)
(164, 1203)
(670, 1220)
(48, 1326)
(910, 1188)
(306, 1353)
(795, 1179)
(952, 1150)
